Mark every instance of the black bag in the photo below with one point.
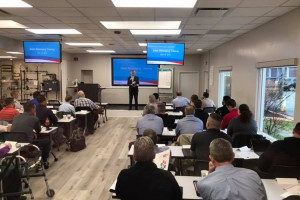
(77, 141)
(11, 178)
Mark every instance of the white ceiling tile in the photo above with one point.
(249, 12)
(279, 11)
(133, 12)
(261, 3)
(183, 20)
(20, 20)
(100, 12)
(176, 12)
(195, 27)
(138, 18)
(185, 31)
(54, 26)
(292, 3)
(262, 20)
(72, 20)
(44, 20)
(203, 20)
(34, 26)
(92, 31)
(48, 4)
(66, 12)
(217, 3)
(250, 26)
(25, 12)
(213, 37)
(15, 30)
(236, 20)
(84, 26)
(227, 27)
(91, 3)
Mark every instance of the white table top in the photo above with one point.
(48, 131)
(169, 108)
(130, 152)
(169, 104)
(186, 182)
(13, 146)
(66, 120)
(166, 132)
(175, 113)
(82, 113)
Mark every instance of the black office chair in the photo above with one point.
(260, 143)
(241, 140)
(200, 165)
(19, 137)
(210, 109)
(54, 102)
(280, 171)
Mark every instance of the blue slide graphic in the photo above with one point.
(121, 67)
(165, 53)
(42, 52)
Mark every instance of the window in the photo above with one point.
(224, 85)
(277, 101)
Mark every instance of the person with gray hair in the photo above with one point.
(15, 95)
(144, 180)
(201, 141)
(84, 102)
(225, 181)
(189, 124)
(152, 102)
(150, 121)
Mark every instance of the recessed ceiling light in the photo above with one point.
(83, 44)
(155, 32)
(10, 24)
(54, 31)
(100, 51)
(199, 49)
(14, 4)
(143, 44)
(8, 57)
(141, 24)
(14, 52)
(155, 3)
(144, 51)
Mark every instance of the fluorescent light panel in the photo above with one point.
(14, 4)
(83, 44)
(142, 44)
(10, 24)
(54, 31)
(7, 57)
(155, 32)
(155, 3)
(199, 49)
(141, 24)
(144, 51)
(100, 51)
(14, 52)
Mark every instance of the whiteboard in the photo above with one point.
(165, 78)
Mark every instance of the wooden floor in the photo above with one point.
(88, 174)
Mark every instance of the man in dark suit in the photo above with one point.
(133, 82)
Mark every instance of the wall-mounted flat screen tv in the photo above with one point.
(42, 52)
(165, 53)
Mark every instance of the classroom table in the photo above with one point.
(85, 114)
(70, 123)
(104, 105)
(169, 108)
(14, 149)
(169, 104)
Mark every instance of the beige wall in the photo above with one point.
(277, 40)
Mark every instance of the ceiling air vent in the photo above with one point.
(211, 12)
(220, 32)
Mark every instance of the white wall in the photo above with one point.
(101, 66)
(276, 40)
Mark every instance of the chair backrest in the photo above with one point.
(20, 137)
(280, 171)
(241, 140)
(260, 143)
(185, 139)
(209, 109)
(200, 165)
(53, 102)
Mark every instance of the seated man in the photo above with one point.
(26, 123)
(44, 113)
(15, 95)
(180, 101)
(34, 100)
(201, 141)
(150, 121)
(152, 102)
(226, 181)
(169, 120)
(189, 124)
(201, 114)
(144, 181)
(282, 152)
(222, 111)
(67, 107)
(234, 113)
(9, 112)
(207, 102)
(193, 98)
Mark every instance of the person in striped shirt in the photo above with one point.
(8, 112)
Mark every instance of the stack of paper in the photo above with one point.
(292, 186)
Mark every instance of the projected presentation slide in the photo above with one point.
(42, 52)
(121, 70)
(165, 54)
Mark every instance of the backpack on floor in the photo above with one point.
(77, 141)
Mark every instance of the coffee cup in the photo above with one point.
(64, 116)
(9, 127)
(69, 116)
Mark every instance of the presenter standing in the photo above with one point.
(133, 82)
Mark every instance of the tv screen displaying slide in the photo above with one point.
(122, 67)
(42, 52)
(165, 53)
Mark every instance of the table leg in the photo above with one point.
(105, 113)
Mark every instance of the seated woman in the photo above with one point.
(5, 150)
(243, 124)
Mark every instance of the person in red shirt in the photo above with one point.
(233, 113)
(9, 112)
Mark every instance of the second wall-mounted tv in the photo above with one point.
(42, 52)
(165, 53)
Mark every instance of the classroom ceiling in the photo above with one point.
(200, 30)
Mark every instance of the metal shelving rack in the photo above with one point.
(9, 80)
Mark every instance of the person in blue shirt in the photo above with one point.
(189, 124)
(42, 112)
(180, 101)
(225, 181)
(34, 100)
(67, 107)
(150, 121)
